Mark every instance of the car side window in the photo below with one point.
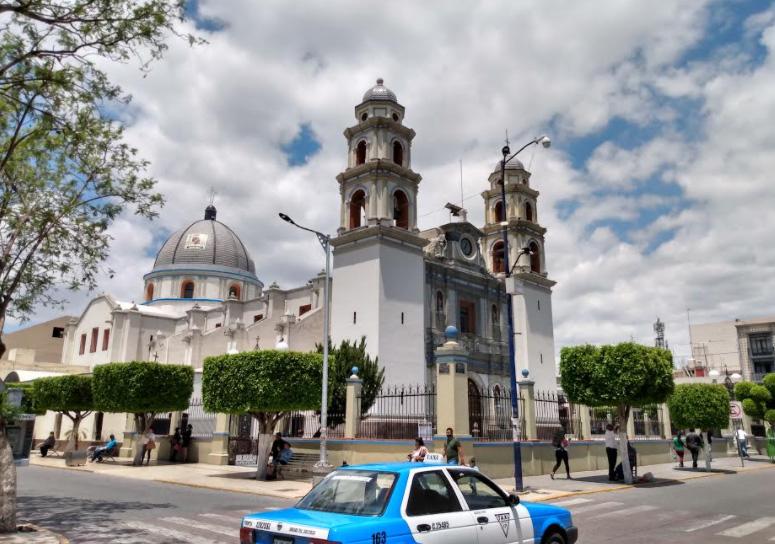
(478, 493)
(431, 493)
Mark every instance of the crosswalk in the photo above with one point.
(589, 511)
(216, 527)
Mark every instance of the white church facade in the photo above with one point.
(398, 286)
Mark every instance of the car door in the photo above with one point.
(496, 519)
(433, 511)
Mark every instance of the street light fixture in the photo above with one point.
(507, 156)
(325, 242)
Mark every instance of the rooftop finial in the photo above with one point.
(210, 211)
(380, 81)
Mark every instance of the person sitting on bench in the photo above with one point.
(283, 458)
(101, 450)
(47, 444)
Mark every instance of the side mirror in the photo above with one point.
(513, 500)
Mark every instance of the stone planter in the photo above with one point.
(75, 458)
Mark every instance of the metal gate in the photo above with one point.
(241, 437)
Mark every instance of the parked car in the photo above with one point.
(409, 503)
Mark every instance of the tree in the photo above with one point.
(71, 396)
(343, 358)
(622, 375)
(143, 389)
(758, 400)
(65, 171)
(700, 406)
(265, 384)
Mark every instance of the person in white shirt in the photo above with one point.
(742, 442)
(149, 443)
(610, 449)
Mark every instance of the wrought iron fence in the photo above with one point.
(202, 422)
(553, 412)
(401, 412)
(489, 412)
(647, 422)
(306, 424)
(599, 417)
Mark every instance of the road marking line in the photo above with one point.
(598, 506)
(169, 533)
(632, 510)
(748, 528)
(219, 529)
(571, 502)
(702, 524)
(234, 518)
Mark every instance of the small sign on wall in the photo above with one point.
(246, 460)
(196, 241)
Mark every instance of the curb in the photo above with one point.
(65, 467)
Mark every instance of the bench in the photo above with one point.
(300, 463)
(111, 454)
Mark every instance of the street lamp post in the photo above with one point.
(325, 242)
(507, 156)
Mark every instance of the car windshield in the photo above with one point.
(357, 492)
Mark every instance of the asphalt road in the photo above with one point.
(92, 508)
(723, 509)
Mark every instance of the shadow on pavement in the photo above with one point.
(75, 516)
(703, 471)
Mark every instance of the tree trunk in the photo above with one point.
(139, 430)
(7, 486)
(706, 451)
(624, 415)
(264, 445)
(72, 442)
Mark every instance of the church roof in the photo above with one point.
(205, 242)
(380, 92)
(513, 164)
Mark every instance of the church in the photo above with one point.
(393, 283)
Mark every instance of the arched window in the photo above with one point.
(357, 209)
(498, 264)
(499, 213)
(398, 153)
(401, 209)
(474, 409)
(360, 153)
(149, 292)
(235, 291)
(187, 289)
(535, 258)
(528, 211)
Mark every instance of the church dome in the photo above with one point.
(205, 243)
(380, 92)
(514, 164)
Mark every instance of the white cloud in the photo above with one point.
(217, 116)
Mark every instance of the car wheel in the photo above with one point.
(554, 538)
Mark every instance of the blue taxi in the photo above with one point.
(396, 503)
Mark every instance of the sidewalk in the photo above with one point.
(543, 488)
(539, 488)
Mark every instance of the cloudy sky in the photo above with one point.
(657, 192)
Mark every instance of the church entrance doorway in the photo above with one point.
(474, 409)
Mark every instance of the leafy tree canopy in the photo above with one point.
(757, 399)
(702, 406)
(343, 358)
(142, 387)
(64, 393)
(625, 374)
(267, 381)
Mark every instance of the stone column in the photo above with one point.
(219, 446)
(452, 386)
(529, 409)
(585, 433)
(352, 410)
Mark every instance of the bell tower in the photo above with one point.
(533, 323)
(378, 259)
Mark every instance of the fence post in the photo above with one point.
(219, 445)
(352, 410)
(527, 388)
(585, 433)
(452, 386)
(666, 422)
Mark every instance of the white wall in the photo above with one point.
(716, 344)
(98, 315)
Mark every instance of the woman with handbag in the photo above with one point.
(560, 443)
(149, 444)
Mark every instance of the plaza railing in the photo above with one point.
(399, 413)
(489, 411)
(554, 412)
(202, 422)
(306, 424)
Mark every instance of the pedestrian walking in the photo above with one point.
(149, 444)
(175, 445)
(771, 444)
(417, 455)
(185, 442)
(47, 444)
(453, 449)
(678, 448)
(610, 449)
(694, 443)
(560, 444)
(742, 442)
